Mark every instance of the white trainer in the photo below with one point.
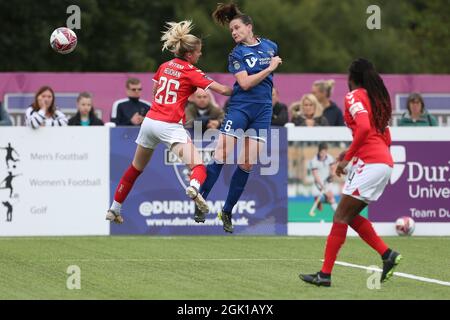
(113, 216)
(200, 202)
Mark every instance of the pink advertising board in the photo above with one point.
(17, 88)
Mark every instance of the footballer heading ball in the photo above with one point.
(63, 40)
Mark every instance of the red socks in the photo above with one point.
(334, 242)
(337, 238)
(198, 176)
(368, 234)
(126, 183)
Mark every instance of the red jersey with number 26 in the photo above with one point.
(176, 80)
(368, 144)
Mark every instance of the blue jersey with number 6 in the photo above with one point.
(253, 59)
(251, 109)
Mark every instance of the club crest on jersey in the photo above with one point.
(251, 62)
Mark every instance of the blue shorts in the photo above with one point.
(248, 119)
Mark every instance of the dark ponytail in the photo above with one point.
(363, 74)
(225, 13)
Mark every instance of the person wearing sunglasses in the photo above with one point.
(132, 110)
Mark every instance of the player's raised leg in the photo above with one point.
(247, 158)
(141, 157)
(224, 147)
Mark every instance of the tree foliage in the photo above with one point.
(313, 35)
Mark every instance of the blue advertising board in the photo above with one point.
(158, 205)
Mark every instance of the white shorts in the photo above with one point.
(316, 192)
(366, 181)
(153, 132)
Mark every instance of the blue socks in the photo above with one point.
(237, 185)
(213, 171)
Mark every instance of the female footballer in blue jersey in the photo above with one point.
(249, 114)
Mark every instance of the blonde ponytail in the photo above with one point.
(177, 38)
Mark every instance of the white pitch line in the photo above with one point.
(398, 274)
(164, 260)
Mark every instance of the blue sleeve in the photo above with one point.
(235, 62)
(275, 47)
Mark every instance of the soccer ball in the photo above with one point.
(63, 40)
(405, 226)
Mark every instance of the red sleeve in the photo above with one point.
(199, 79)
(354, 104)
(361, 132)
(360, 115)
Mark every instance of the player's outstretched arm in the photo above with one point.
(247, 82)
(220, 88)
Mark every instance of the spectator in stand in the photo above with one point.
(132, 110)
(322, 89)
(308, 112)
(43, 112)
(201, 109)
(280, 111)
(85, 115)
(417, 115)
(5, 120)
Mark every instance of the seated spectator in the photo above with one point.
(279, 112)
(5, 120)
(43, 112)
(132, 110)
(211, 97)
(322, 89)
(201, 109)
(85, 115)
(308, 112)
(417, 115)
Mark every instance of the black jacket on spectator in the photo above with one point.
(334, 115)
(279, 114)
(126, 110)
(94, 121)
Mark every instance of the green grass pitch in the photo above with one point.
(217, 267)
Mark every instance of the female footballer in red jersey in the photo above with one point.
(367, 113)
(174, 82)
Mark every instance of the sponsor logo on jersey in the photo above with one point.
(251, 62)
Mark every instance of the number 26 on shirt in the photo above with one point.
(167, 91)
